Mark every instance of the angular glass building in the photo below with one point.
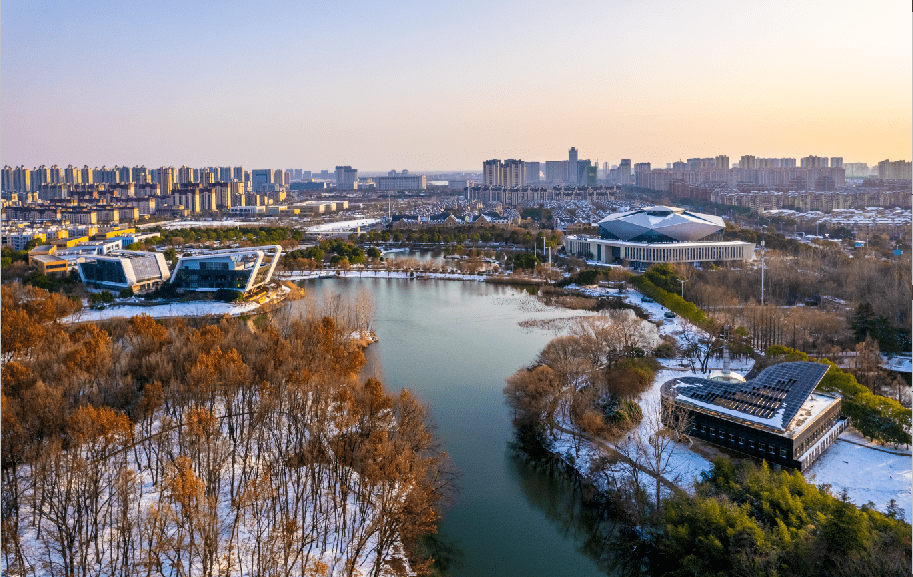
(241, 269)
(133, 269)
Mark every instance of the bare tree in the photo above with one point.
(650, 447)
(699, 347)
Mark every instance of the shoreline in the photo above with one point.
(206, 308)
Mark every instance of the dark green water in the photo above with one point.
(453, 344)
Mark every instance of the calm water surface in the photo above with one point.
(453, 344)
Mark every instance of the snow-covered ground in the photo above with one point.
(181, 309)
(867, 474)
(191, 309)
(343, 226)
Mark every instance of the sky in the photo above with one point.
(427, 85)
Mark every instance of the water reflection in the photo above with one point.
(577, 510)
(453, 344)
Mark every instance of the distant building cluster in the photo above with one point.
(517, 173)
(513, 196)
(761, 200)
(124, 194)
(799, 179)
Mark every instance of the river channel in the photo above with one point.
(453, 344)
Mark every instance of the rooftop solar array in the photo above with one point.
(772, 398)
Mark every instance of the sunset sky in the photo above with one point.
(436, 86)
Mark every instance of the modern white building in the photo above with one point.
(658, 234)
(240, 269)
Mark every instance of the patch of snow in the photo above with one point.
(186, 309)
(343, 226)
(866, 473)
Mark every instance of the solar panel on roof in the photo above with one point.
(782, 387)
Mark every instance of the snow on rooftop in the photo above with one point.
(813, 406)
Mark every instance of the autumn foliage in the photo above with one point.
(205, 448)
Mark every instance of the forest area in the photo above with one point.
(207, 447)
(811, 294)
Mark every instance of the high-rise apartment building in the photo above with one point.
(491, 172)
(721, 162)
(572, 166)
(857, 169)
(165, 178)
(555, 171)
(897, 170)
(814, 162)
(624, 171)
(641, 167)
(238, 173)
(836, 162)
(532, 172)
(748, 161)
(186, 174)
(346, 178)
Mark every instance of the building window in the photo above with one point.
(782, 451)
(712, 432)
(741, 440)
(751, 444)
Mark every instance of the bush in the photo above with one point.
(666, 350)
(587, 277)
(229, 295)
(101, 300)
(126, 293)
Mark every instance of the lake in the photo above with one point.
(453, 344)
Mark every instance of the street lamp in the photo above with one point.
(762, 273)
(683, 288)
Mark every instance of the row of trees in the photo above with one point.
(208, 447)
(463, 234)
(256, 235)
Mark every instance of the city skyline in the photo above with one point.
(279, 85)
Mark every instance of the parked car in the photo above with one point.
(669, 315)
(647, 300)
